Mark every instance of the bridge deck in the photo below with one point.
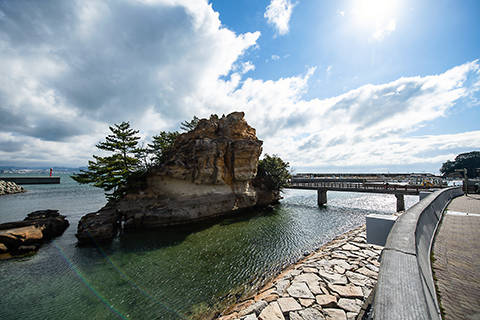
(361, 187)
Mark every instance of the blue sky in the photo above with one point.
(330, 86)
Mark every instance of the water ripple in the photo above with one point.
(176, 274)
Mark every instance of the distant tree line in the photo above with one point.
(469, 161)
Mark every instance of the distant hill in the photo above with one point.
(15, 169)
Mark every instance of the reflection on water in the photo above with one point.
(166, 274)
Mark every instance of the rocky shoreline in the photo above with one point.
(335, 282)
(23, 237)
(8, 187)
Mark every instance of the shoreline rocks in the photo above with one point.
(335, 282)
(8, 187)
(22, 237)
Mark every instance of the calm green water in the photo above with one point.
(160, 274)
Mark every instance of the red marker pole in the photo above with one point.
(51, 172)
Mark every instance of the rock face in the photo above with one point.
(208, 172)
(21, 237)
(98, 226)
(8, 187)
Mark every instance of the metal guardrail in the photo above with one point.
(405, 287)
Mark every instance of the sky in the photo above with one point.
(329, 86)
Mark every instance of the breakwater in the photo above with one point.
(32, 180)
(9, 187)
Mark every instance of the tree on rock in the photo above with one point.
(275, 172)
(160, 144)
(469, 161)
(114, 171)
(189, 125)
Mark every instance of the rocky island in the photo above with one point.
(208, 172)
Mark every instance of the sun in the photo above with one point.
(378, 17)
(374, 10)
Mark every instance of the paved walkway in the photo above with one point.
(457, 259)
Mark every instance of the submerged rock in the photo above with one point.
(20, 237)
(208, 172)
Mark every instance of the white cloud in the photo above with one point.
(275, 57)
(329, 70)
(387, 30)
(70, 67)
(373, 125)
(278, 15)
(85, 65)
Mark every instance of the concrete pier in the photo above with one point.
(32, 180)
(400, 202)
(322, 196)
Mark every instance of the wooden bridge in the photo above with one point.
(358, 185)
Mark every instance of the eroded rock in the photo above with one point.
(98, 226)
(20, 237)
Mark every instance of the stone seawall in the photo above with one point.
(334, 283)
(8, 187)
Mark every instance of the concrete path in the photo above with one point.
(457, 259)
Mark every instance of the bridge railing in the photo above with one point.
(360, 185)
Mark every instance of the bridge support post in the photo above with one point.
(400, 202)
(322, 196)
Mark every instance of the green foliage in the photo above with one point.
(112, 172)
(275, 172)
(189, 125)
(160, 144)
(470, 161)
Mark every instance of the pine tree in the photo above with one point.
(160, 144)
(189, 125)
(112, 172)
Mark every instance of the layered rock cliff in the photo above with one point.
(208, 172)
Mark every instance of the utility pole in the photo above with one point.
(464, 179)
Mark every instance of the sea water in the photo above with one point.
(184, 273)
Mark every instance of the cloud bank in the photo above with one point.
(69, 69)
